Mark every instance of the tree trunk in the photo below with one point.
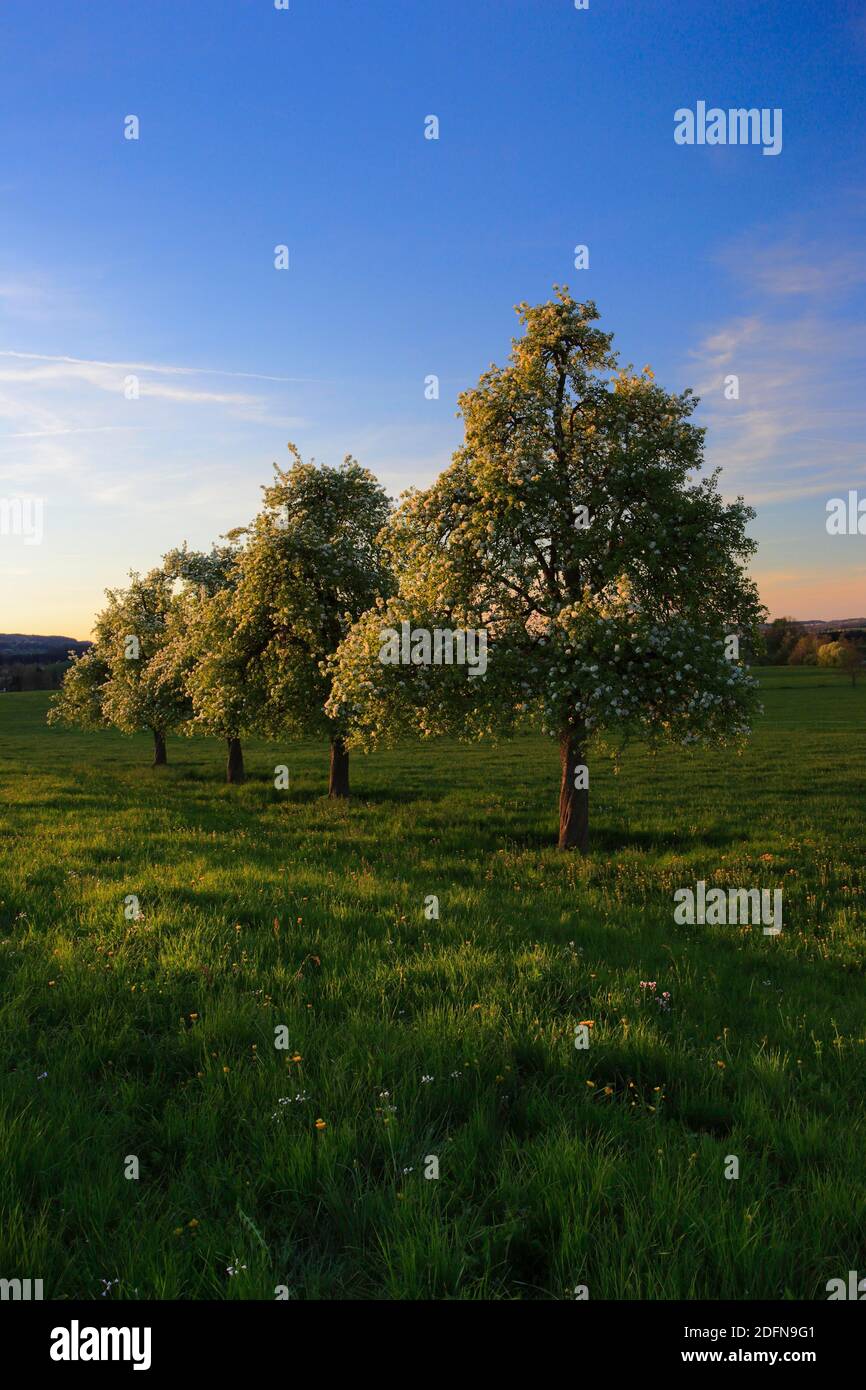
(234, 761)
(339, 781)
(573, 801)
(159, 757)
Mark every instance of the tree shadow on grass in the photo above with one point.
(609, 840)
(649, 841)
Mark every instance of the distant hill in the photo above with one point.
(818, 624)
(31, 662)
(19, 646)
(824, 625)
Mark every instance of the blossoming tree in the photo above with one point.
(309, 566)
(612, 582)
(202, 655)
(117, 681)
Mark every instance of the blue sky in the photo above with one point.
(305, 127)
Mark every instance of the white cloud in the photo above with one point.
(67, 427)
(162, 369)
(799, 425)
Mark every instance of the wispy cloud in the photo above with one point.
(86, 429)
(66, 415)
(798, 427)
(161, 368)
(794, 267)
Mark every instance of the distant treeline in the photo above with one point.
(33, 675)
(789, 643)
(35, 663)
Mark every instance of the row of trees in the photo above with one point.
(32, 675)
(235, 642)
(789, 644)
(570, 526)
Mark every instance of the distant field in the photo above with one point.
(557, 1167)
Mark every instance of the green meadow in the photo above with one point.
(412, 1039)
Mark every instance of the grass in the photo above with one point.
(558, 1167)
